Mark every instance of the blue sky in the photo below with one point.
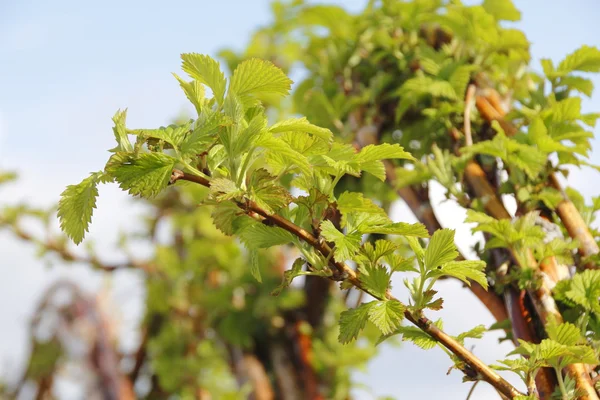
(66, 66)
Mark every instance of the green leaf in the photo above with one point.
(194, 91)
(260, 236)
(120, 131)
(301, 125)
(375, 278)
(76, 207)
(398, 228)
(585, 290)
(463, 270)
(144, 175)
(171, 134)
(222, 189)
(352, 322)
(371, 156)
(585, 59)
(254, 265)
(207, 71)
(346, 245)
(386, 315)
(441, 248)
(204, 132)
(474, 333)
(565, 333)
(419, 337)
(266, 192)
(258, 77)
(502, 10)
(289, 275)
(224, 216)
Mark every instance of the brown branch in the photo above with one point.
(478, 366)
(574, 223)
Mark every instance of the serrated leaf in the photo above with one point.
(120, 131)
(352, 322)
(474, 333)
(194, 91)
(386, 315)
(224, 216)
(565, 333)
(76, 207)
(280, 148)
(301, 125)
(346, 245)
(171, 134)
(259, 77)
(375, 278)
(145, 175)
(222, 189)
(585, 59)
(585, 290)
(266, 192)
(371, 156)
(417, 336)
(260, 236)
(398, 228)
(441, 248)
(464, 270)
(207, 71)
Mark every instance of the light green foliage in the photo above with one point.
(144, 174)
(77, 205)
(391, 78)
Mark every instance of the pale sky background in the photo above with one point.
(67, 65)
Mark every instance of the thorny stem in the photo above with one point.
(483, 371)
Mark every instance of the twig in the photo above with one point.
(472, 390)
(422, 322)
(467, 115)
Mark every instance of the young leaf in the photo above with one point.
(463, 270)
(346, 245)
(254, 265)
(257, 77)
(353, 321)
(194, 91)
(370, 158)
(289, 275)
(222, 189)
(207, 71)
(398, 228)
(256, 236)
(417, 336)
(76, 207)
(301, 125)
(375, 278)
(120, 132)
(267, 193)
(441, 248)
(585, 59)
(386, 315)
(145, 175)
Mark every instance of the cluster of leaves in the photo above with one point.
(245, 164)
(398, 73)
(395, 74)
